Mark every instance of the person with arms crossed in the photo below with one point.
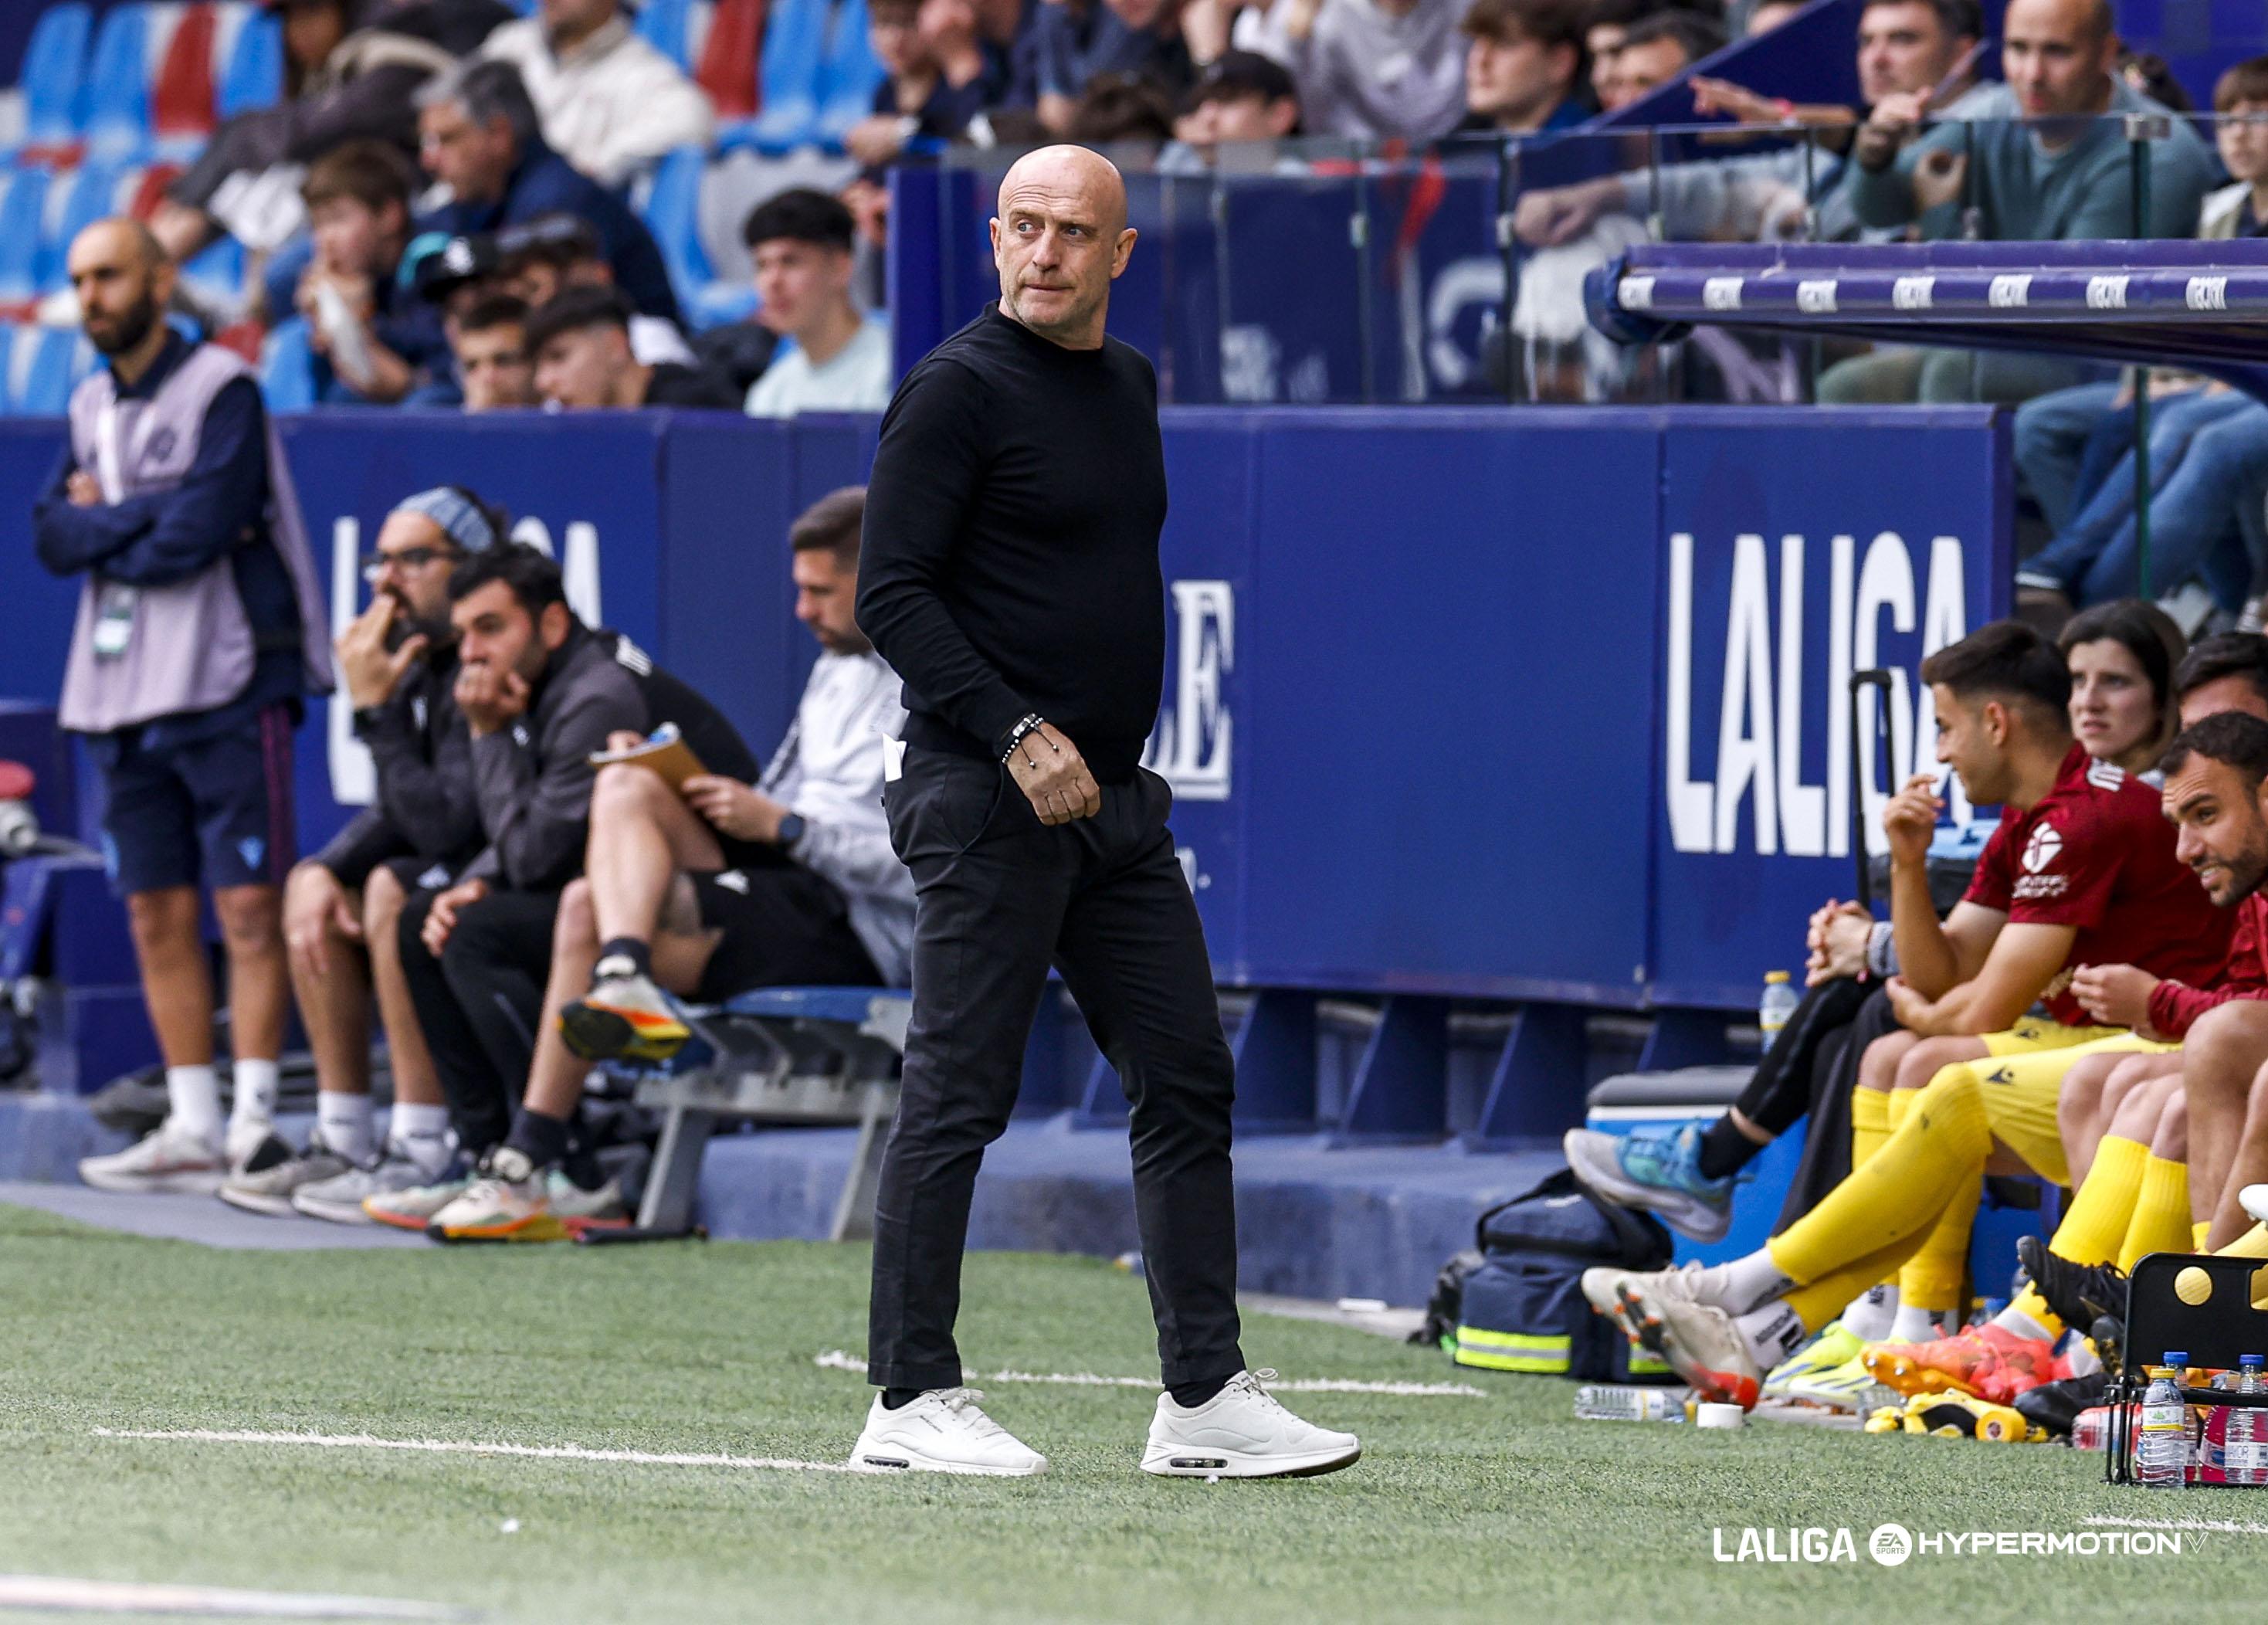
(1011, 577)
(201, 631)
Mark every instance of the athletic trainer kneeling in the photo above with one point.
(1011, 577)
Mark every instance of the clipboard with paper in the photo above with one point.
(662, 751)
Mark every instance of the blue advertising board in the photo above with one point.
(1478, 702)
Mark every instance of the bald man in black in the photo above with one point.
(1009, 574)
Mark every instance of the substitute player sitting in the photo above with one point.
(2081, 870)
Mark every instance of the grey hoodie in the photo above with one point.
(1366, 74)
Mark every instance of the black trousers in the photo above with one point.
(479, 1003)
(1826, 1160)
(999, 897)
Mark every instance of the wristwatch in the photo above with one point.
(791, 831)
(367, 720)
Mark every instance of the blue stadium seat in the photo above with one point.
(7, 356)
(287, 368)
(76, 200)
(253, 76)
(849, 1005)
(673, 214)
(54, 68)
(114, 102)
(662, 24)
(44, 385)
(218, 272)
(23, 220)
(795, 43)
(848, 79)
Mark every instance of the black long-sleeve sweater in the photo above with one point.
(1010, 557)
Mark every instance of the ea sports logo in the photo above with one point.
(2043, 848)
(1891, 1545)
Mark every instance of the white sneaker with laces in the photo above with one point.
(168, 1158)
(943, 1431)
(1242, 1432)
(243, 1140)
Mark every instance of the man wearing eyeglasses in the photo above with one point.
(398, 661)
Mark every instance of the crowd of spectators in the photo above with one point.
(441, 174)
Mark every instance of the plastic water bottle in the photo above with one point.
(2162, 1457)
(2245, 1448)
(1778, 1004)
(1630, 1404)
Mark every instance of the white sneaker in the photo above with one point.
(245, 1140)
(943, 1431)
(168, 1158)
(1242, 1432)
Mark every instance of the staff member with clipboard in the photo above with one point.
(201, 631)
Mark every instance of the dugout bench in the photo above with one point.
(807, 1056)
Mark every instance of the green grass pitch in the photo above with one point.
(1470, 1510)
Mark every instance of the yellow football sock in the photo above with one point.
(2161, 1214)
(2199, 1232)
(1830, 1295)
(1870, 1124)
(1897, 1103)
(2252, 1244)
(2095, 1225)
(1891, 1202)
(1933, 1276)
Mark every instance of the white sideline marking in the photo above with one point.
(2212, 1525)
(33, 1590)
(467, 1447)
(837, 1359)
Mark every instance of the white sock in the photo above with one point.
(420, 1134)
(1771, 1332)
(2084, 1361)
(256, 1087)
(1913, 1324)
(193, 1100)
(2015, 1320)
(343, 1122)
(1743, 1284)
(1869, 1316)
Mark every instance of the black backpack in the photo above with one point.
(1516, 1303)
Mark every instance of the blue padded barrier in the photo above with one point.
(114, 105)
(53, 70)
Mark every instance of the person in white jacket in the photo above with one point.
(717, 888)
(610, 103)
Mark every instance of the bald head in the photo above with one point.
(124, 281)
(2056, 56)
(1068, 172)
(1058, 240)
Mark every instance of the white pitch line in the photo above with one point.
(469, 1447)
(2210, 1525)
(73, 1596)
(838, 1359)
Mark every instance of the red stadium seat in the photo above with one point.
(182, 91)
(727, 69)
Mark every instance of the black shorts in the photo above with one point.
(784, 926)
(216, 811)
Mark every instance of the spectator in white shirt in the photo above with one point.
(800, 243)
(610, 103)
